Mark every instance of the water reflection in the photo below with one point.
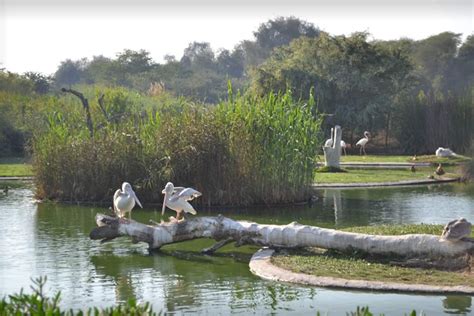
(53, 240)
(435, 204)
(457, 304)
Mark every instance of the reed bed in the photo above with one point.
(247, 150)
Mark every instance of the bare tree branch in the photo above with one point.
(85, 104)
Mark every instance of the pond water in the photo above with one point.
(52, 240)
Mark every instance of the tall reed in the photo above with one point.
(246, 150)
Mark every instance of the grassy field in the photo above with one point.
(401, 159)
(321, 262)
(368, 175)
(15, 167)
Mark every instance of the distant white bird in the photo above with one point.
(363, 141)
(444, 152)
(328, 143)
(124, 200)
(456, 230)
(176, 198)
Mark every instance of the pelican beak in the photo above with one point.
(137, 200)
(164, 204)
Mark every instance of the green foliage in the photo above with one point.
(420, 92)
(20, 113)
(435, 56)
(430, 121)
(38, 304)
(352, 78)
(201, 73)
(243, 151)
(281, 31)
(69, 72)
(361, 311)
(15, 83)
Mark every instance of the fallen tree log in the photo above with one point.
(225, 230)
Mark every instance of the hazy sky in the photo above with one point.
(38, 35)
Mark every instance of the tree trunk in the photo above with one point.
(221, 228)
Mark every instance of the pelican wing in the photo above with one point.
(116, 195)
(186, 194)
(178, 190)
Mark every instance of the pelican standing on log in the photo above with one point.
(124, 200)
(363, 141)
(176, 198)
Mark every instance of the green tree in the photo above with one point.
(41, 83)
(353, 79)
(275, 33)
(282, 30)
(70, 72)
(434, 58)
(134, 62)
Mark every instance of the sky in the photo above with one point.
(36, 35)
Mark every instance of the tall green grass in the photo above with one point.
(246, 150)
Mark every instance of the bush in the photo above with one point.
(38, 303)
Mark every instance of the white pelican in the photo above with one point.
(328, 143)
(363, 141)
(176, 198)
(444, 152)
(124, 200)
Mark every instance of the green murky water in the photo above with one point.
(49, 239)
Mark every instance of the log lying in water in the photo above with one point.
(225, 229)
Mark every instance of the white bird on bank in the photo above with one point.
(363, 141)
(176, 198)
(328, 143)
(124, 200)
(444, 152)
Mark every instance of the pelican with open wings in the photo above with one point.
(176, 198)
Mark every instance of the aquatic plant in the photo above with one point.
(246, 150)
